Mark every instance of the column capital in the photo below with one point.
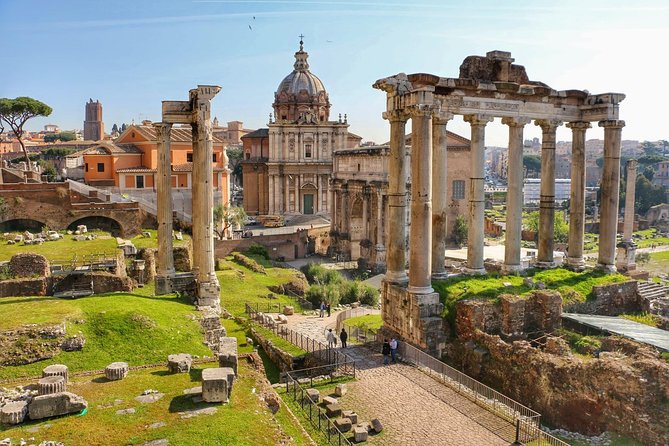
(478, 119)
(578, 125)
(424, 110)
(399, 115)
(516, 121)
(440, 117)
(631, 164)
(612, 123)
(205, 92)
(548, 125)
(162, 129)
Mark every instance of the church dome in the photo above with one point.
(301, 91)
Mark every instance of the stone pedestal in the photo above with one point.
(227, 354)
(51, 384)
(116, 371)
(55, 370)
(626, 258)
(180, 363)
(360, 434)
(216, 384)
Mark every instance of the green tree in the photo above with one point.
(532, 163)
(226, 216)
(62, 136)
(235, 156)
(115, 129)
(16, 112)
(460, 230)
(48, 170)
(647, 194)
(560, 226)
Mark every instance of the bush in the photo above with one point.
(370, 296)
(323, 293)
(319, 275)
(248, 262)
(257, 250)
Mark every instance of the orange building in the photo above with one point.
(129, 163)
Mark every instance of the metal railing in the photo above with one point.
(329, 355)
(307, 375)
(353, 312)
(530, 434)
(317, 416)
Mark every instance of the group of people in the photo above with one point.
(325, 307)
(332, 339)
(389, 350)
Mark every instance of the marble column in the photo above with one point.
(439, 192)
(547, 193)
(475, 230)
(514, 200)
(286, 191)
(271, 180)
(365, 213)
(420, 237)
(627, 248)
(164, 258)
(397, 192)
(610, 186)
(575, 258)
(203, 196)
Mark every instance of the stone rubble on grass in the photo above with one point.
(217, 384)
(227, 353)
(288, 310)
(161, 442)
(329, 400)
(55, 404)
(147, 398)
(314, 395)
(351, 415)
(116, 371)
(55, 370)
(197, 412)
(377, 425)
(125, 411)
(343, 424)
(179, 363)
(340, 390)
(360, 434)
(157, 425)
(333, 410)
(73, 343)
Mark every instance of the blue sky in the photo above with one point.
(131, 55)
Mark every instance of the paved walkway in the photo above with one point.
(414, 408)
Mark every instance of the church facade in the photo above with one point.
(287, 167)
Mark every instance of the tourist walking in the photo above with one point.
(328, 307)
(331, 338)
(393, 349)
(385, 351)
(322, 308)
(343, 337)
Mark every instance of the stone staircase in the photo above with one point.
(657, 295)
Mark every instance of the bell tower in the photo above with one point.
(94, 128)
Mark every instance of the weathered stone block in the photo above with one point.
(314, 395)
(360, 434)
(51, 384)
(288, 310)
(340, 390)
(333, 410)
(216, 384)
(73, 343)
(282, 319)
(28, 264)
(116, 371)
(13, 412)
(179, 363)
(351, 415)
(227, 356)
(377, 425)
(55, 370)
(343, 424)
(329, 400)
(62, 403)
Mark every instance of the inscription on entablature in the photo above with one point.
(501, 106)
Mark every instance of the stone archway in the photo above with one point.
(309, 199)
(22, 224)
(106, 224)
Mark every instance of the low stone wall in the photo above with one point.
(625, 390)
(28, 264)
(283, 360)
(24, 287)
(611, 300)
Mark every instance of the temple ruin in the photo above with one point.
(487, 87)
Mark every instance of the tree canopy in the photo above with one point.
(16, 112)
(532, 163)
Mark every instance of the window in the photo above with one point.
(214, 157)
(189, 157)
(101, 167)
(248, 155)
(86, 167)
(139, 181)
(307, 150)
(458, 189)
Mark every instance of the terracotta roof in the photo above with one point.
(110, 148)
(354, 135)
(260, 133)
(177, 134)
(139, 169)
(188, 167)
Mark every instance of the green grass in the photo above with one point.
(64, 249)
(368, 322)
(642, 318)
(648, 239)
(132, 327)
(244, 421)
(240, 285)
(152, 242)
(278, 341)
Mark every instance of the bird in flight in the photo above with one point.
(250, 28)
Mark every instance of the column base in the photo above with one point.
(441, 275)
(475, 271)
(576, 263)
(625, 261)
(399, 277)
(511, 269)
(163, 285)
(420, 289)
(607, 268)
(545, 265)
(208, 295)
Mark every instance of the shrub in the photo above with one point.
(370, 296)
(323, 293)
(258, 250)
(319, 275)
(249, 263)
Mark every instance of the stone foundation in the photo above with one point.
(24, 287)
(416, 318)
(611, 300)
(28, 264)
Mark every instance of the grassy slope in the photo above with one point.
(368, 321)
(245, 421)
(132, 327)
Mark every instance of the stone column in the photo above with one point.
(272, 196)
(514, 200)
(577, 197)
(547, 193)
(627, 248)
(298, 198)
(365, 213)
(380, 233)
(203, 196)
(475, 230)
(164, 258)
(286, 191)
(397, 191)
(420, 237)
(439, 192)
(608, 224)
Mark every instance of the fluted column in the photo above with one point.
(608, 224)
(397, 191)
(420, 237)
(203, 192)
(475, 229)
(577, 196)
(627, 248)
(439, 192)
(286, 191)
(365, 213)
(514, 200)
(164, 259)
(547, 193)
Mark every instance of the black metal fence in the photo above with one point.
(531, 434)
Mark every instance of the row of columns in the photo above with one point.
(428, 225)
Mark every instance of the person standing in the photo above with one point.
(385, 351)
(393, 349)
(322, 308)
(331, 338)
(328, 307)
(343, 337)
